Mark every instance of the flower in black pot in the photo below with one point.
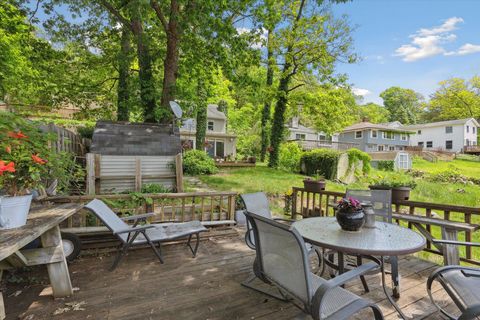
(350, 215)
(317, 184)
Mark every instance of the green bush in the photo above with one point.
(86, 131)
(198, 162)
(321, 161)
(395, 180)
(386, 165)
(355, 155)
(155, 188)
(289, 158)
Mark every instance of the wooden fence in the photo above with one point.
(212, 208)
(109, 174)
(431, 219)
(67, 141)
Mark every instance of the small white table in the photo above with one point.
(385, 240)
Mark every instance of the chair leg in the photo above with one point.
(154, 248)
(248, 283)
(194, 250)
(120, 253)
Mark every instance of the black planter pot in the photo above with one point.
(350, 220)
(314, 185)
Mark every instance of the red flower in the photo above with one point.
(9, 167)
(17, 135)
(37, 159)
(8, 149)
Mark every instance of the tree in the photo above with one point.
(373, 112)
(309, 41)
(456, 98)
(124, 62)
(403, 104)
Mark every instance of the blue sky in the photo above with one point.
(412, 44)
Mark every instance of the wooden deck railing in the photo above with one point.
(431, 219)
(211, 208)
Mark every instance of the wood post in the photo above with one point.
(138, 174)
(450, 252)
(2, 304)
(57, 271)
(90, 173)
(179, 172)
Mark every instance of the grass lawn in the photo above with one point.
(467, 168)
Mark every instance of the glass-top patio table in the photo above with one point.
(385, 240)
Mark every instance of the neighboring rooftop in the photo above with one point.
(369, 126)
(214, 113)
(441, 123)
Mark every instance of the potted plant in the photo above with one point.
(26, 163)
(400, 185)
(315, 184)
(350, 214)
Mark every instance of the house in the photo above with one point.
(452, 136)
(218, 142)
(371, 137)
(401, 159)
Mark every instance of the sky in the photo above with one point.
(412, 44)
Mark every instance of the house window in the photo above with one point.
(467, 142)
(403, 137)
(374, 133)
(468, 129)
(358, 134)
(448, 129)
(391, 148)
(403, 161)
(419, 131)
(420, 144)
(473, 129)
(380, 148)
(219, 149)
(210, 125)
(322, 137)
(449, 144)
(429, 144)
(300, 136)
(389, 135)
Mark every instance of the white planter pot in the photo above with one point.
(14, 211)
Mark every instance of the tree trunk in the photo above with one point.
(170, 64)
(266, 106)
(279, 118)
(201, 128)
(147, 86)
(123, 93)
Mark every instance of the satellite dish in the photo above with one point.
(176, 109)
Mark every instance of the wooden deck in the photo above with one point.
(207, 287)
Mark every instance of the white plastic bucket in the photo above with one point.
(14, 211)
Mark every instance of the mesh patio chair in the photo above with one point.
(151, 234)
(381, 201)
(462, 284)
(282, 261)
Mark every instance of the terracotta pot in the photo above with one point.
(350, 220)
(314, 185)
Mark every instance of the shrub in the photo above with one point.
(321, 161)
(198, 162)
(86, 132)
(396, 181)
(155, 188)
(289, 158)
(386, 165)
(355, 155)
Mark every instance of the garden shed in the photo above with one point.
(126, 156)
(396, 160)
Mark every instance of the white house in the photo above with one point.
(219, 143)
(300, 132)
(451, 135)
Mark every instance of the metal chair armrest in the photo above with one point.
(284, 220)
(134, 229)
(138, 217)
(457, 243)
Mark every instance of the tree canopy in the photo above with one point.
(403, 104)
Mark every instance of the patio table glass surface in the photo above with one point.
(386, 239)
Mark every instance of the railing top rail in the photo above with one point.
(149, 195)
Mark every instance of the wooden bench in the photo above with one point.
(43, 224)
(449, 230)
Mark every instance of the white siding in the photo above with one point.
(438, 136)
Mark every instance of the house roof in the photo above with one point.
(214, 113)
(368, 126)
(301, 128)
(442, 123)
(383, 155)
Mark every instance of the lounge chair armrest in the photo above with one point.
(134, 229)
(138, 217)
(284, 220)
(457, 243)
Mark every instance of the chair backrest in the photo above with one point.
(256, 203)
(108, 217)
(381, 201)
(282, 256)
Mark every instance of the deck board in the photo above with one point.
(207, 287)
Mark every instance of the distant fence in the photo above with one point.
(113, 174)
(67, 141)
(211, 208)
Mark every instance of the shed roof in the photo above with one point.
(384, 155)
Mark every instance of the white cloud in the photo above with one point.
(361, 92)
(449, 25)
(467, 48)
(262, 36)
